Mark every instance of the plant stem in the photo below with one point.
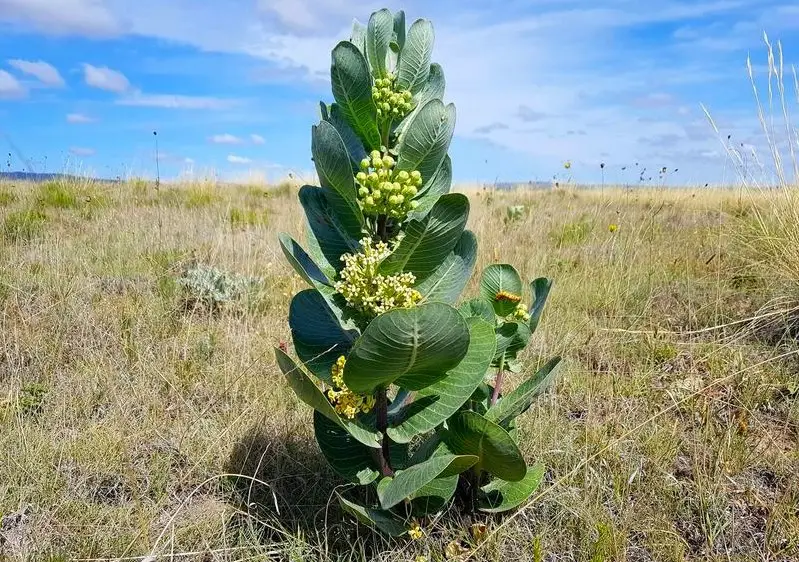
(498, 381)
(384, 455)
(382, 223)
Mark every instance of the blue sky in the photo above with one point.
(232, 87)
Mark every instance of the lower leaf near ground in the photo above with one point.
(500, 495)
(375, 518)
(406, 483)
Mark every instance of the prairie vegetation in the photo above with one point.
(136, 420)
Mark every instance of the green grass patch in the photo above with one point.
(23, 225)
(245, 218)
(571, 233)
(7, 197)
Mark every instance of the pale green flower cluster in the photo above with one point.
(370, 292)
(520, 313)
(391, 104)
(345, 402)
(384, 191)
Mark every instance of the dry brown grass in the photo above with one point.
(130, 427)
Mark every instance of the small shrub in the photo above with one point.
(7, 197)
(31, 399)
(514, 213)
(243, 218)
(23, 225)
(214, 289)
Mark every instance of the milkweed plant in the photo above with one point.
(405, 378)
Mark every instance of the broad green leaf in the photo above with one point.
(414, 61)
(354, 144)
(316, 331)
(349, 458)
(540, 289)
(432, 190)
(512, 337)
(327, 239)
(447, 282)
(501, 277)
(433, 496)
(399, 29)
(469, 433)
(358, 36)
(308, 392)
(302, 262)
(399, 402)
(433, 89)
(352, 90)
(424, 144)
(428, 241)
(324, 111)
(334, 167)
(436, 403)
(426, 340)
(379, 31)
(375, 518)
(499, 495)
(480, 308)
(408, 482)
(519, 400)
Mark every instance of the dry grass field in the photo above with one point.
(138, 424)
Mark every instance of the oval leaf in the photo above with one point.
(432, 190)
(501, 277)
(499, 495)
(349, 458)
(358, 36)
(426, 341)
(352, 90)
(399, 29)
(428, 241)
(406, 483)
(327, 239)
(512, 337)
(540, 289)
(319, 340)
(519, 400)
(469, 433)
(308, 392)
(436, 403)
(414, 61)
(302, 262)
(354, 144)
(379, 32)
(448, 281)
(334, 167)
(375, 518)
(424, 144)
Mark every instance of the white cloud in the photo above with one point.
(62, 17)
(45, 72)
(79, 118)
(257, 139)
(170, 101)
(105, 78)
(233, 159)
(225, 138)
(81, 151)
(10, 86)
(188, 160)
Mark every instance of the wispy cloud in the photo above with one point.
(174, 101)
(10, 88)
(105, 78)
(233, 159)
(45, 72)
(82, 151)
(257, 139)
(62, 17)
(225, 138)
(79, 118)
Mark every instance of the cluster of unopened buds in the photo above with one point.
(520, 313)
(384, 191)
(391, 103)
(370, 292)
(346, 402)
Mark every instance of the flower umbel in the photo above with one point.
(346, 402)
(370, 292)
(392, 104)
(415, 530)
(385, 191)
(520, 312)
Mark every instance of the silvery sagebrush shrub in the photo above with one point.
(406, 386)
(213, 288)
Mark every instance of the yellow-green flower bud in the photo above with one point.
(385, 106)
(409, 191)
(377, 163)
(382, 173)
(365, 164)
(369, 201)
(377, 195)
(361, 176)
(375, 154)
(403, 176)
(407, 95)
(372, 177)
(414, 204)
(416, 175)
(388, 161)
(363, 192)
(393, 200)
(396, 186)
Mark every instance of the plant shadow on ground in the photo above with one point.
(283, 487)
